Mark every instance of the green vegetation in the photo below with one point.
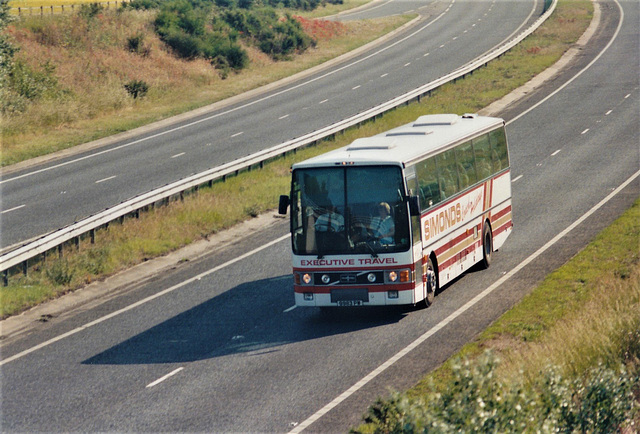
(565, 359)
(149, 64)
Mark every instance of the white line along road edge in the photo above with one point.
(373, 374)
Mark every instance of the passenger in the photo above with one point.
(330, 221)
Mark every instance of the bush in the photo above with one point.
(60, 273)
(90, 10)
(475, 401)
(135, 44)
(277, 37)
(137, 88)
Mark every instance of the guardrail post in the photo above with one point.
(76, 241)
(92, 234)
(25, 267)
(60, 254)
(5, 277)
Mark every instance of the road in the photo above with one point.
(69, 189)
(215, 345)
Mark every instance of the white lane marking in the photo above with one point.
(12, 209)
(289, 309)
(323, 101)
(356, 87)
(613, 38)
(556, 153)
(373, 374)
(105, 179)
(627, 96)
(283, 117)
(516, 178)
(585, 131)
(384, 75)
(426, 54)
(178, 155)
(160, 380)
(237, 134)
(608, 113)
(407, 64)
(141, 302)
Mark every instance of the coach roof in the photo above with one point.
(407, 143)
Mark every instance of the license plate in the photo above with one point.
(349, 303)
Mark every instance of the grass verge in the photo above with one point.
(566, 358)
(213, 209)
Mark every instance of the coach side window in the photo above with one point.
(499, 149)
(448, 173)
(466, 165)
(483, 156)
(427, 174)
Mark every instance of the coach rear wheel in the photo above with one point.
(431, 284)
(487, 245)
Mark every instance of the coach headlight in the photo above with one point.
(398, 276)
(306, 278)
(325, 279)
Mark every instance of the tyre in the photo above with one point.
(431, 283)
(487, 245)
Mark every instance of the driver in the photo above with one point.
(383, 226)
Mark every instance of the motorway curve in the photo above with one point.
(215, 346)
(450, 34)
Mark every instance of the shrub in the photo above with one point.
(135, 44)
(137, 88)
(60, 273)
(32, 84)
(142, 4)
(90, 10)
(476, 401)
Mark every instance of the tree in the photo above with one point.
(7, 50)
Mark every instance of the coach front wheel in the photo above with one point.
(431, 284)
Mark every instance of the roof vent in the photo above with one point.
(436, 120)
(409, 133)
(370, 146)
(469, 115)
